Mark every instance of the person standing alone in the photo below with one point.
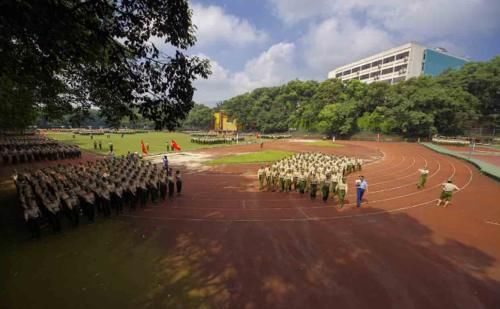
(423, 177)
(361, 186)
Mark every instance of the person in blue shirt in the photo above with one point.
(361, 186)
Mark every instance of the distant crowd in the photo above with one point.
(30, 148)
(96, 187)
(209, 140)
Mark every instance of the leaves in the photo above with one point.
(74, 54)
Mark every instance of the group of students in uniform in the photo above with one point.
(447, 187)
(210, 140)
(310, 172)
(51, 193)
(30, 148)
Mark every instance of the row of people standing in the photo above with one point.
(310, 172)
(98, 187)
(22, 149)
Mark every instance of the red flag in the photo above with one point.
(143, 147)
(175, 146)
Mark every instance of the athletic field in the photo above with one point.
(132, 142)
(223, 244)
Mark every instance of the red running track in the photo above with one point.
(249, 249)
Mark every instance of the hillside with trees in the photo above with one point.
(447, 104)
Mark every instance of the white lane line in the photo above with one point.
(302, 212)
(375, 213)
(407, 175)
(407, 185)
(491, 222)
(308, 218)
(323, 207)
(314, 207)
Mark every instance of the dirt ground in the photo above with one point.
(223, 244)
(282, 250)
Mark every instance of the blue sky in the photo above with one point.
(268, 42)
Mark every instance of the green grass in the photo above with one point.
(254, 157)
(112, 263)
(324, 144)
(132, 142)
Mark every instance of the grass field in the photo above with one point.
(132, 142)
(254, 157)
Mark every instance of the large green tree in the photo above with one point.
(72, 54)
(200, 117)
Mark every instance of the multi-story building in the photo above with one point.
(398, 64)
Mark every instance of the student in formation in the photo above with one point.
(342, 191)
(261, 175)
(446, 194)
(171, 184)
(314, 185)
(267, 173)
(178, 181)
(423, 177)
(301, 182)
(325, 186)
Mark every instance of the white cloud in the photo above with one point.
(292, 11)
(336, 32)
(216, 26)
(336, 42)
(272, 67)
(411, 19)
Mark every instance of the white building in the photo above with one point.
(398, 64)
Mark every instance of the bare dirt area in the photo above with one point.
(240, 248)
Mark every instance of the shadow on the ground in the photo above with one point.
(391, 261)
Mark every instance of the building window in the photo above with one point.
(355, 70)
(346, 72)
(402, 55)
(388, 59)
(365, 67)
(400, 67)
(364, 76)
(376, 63)
(398, 79)
(387, 71)
(375, 74)
(338, 75)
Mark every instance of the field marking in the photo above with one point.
(309, 218)
(313, 207)
(323, 207)
(491, 222)
(409, 184)
(375, 213)
(407, 175)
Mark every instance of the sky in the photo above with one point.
(261, 43)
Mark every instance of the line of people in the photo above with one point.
(23, 149)
(71, 191)
(216, 140)
(310, 172)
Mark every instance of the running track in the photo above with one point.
(249, 249)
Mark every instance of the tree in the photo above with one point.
(199, 118)
(338, 118)
(78, 54)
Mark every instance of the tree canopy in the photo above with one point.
(60, 57)
(447, 104)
